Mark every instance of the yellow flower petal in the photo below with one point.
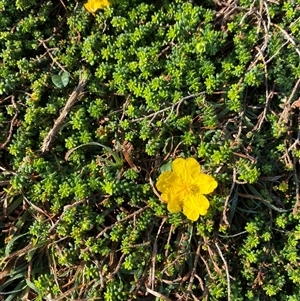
(89, 7)
(187, 169)
(193, 167)
(178, 167)
(174, 207)
(164, 181)
(205, 183)
(167, 195)
(93, 5)
(172, 193)
(203, 204)
(195, 205)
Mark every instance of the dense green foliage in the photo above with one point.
(153, 80)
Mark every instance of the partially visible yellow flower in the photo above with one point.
(93, 5)
(184, 187)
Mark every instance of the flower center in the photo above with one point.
(189, 188)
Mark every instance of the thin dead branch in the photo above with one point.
(228, 197)
(42, 42)
(297, 204)
(12, 123)
(172, 108)
(76, 94)
(227, 272)
(153, 257)
(156, 294)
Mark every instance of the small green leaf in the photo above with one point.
(61, 80)
(32, 285)
(65, 78)
(166, 167)
(56, 79)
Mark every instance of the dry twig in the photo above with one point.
(42, 42)
(12, 123)
(297, 204)
(154, 253)
(227, 273)
(156, 294)
(172, 107)
(193, 273)
(228, 197)
(76, 94)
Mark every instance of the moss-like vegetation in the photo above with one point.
(92, 108)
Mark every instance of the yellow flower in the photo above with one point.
(93, 5)
(184, 187)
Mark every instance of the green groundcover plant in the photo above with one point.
(94, 107)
